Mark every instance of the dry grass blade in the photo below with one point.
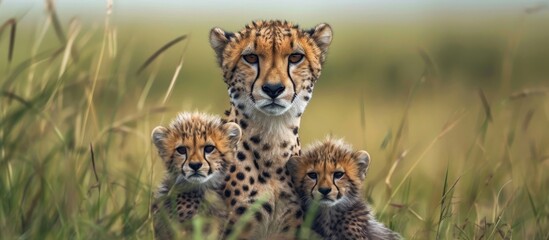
(392, 170)
(50, 6)
(13, 23)
(485, 105)
(526, 93)
(160, 51)
(93, 164)
(527, 119)
(444, 131)
(430, 68)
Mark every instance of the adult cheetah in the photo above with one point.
(270, 68)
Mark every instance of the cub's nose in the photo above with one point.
(324, 191)
(195, 166)
(273, 90)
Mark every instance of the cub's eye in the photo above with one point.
(209, 148)
(251, 58)
(181, 150)
(312, 175)
(295, 57)
(338, 175)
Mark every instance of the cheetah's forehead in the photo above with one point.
(332, 151)
(195, 124)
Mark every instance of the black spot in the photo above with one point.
(236, 95)
(252, 180)
(227, 178)
(299, 114)
(306, 98)
(253, 193)
(233, 168)
(258, 216)
(268, 163)
(266, 147)
(246, 115)
(227, 112)
(266, 174)
(282, 179)
(232, 90)
(268, 208)
(237, 192)
(285, 228)
(233, 202)
(261, 180)
(256, 164)
(295, 130)
(240, 210)
(246, 146)
(245, 188)
(227, 193)
(240, 176)
(256, 155)
(243, 124)
(298, 214)
(285, 155)
(233, 183)
(248, 168)
(279, 170)
(241, 156)
(284, 144)
(240, 106)
(255, 139)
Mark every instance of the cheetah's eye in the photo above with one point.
(181, 150)
(312, 175)
(295, 57)
(251, 58)
(338, 175)
(209, 148)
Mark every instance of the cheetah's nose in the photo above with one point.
(195, 166)
(324, 191)
(273, 90)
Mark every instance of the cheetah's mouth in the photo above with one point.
(273, 108)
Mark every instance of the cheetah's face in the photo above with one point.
(196, 151)
(271, 66)
(329, 174)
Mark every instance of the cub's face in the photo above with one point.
(271, 66)
(196, 148)
(329, 173)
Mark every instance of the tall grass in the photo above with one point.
(77, 107)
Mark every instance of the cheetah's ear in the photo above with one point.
(322, 35)
(158, 135)
(363, 161)
(218, 41)
(234, 132)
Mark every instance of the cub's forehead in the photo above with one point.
(330, 152)
(195, 124)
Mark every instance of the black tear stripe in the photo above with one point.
(183, 164)
(313, 188)
(293, 83)
(209, 165)
(338, 192)
(255, 80)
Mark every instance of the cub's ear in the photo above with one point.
(293, 164)
(322, 35)
(158, 135)
(234, 132)
(363, 162)
(218, 41)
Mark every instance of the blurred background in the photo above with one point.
(449, 98)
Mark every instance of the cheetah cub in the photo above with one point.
(330, 173)
(196, 149)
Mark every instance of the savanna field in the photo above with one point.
(452, 106)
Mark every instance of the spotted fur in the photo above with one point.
(330, 174)
(196, 149)
(270, 68)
